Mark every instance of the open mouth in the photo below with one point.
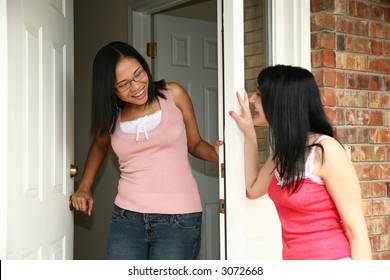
(140, 94)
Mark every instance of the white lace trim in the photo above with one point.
(142, 125)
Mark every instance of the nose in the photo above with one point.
(252, 99)
(137, 85)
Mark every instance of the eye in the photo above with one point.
(138, 75)
(122, 85)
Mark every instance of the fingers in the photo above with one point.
(90, 207)
(234, 115)
(82, 203)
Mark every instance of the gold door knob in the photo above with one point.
(73, 170)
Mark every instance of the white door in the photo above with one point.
(187, 54)
(40, 129)
(252, 227)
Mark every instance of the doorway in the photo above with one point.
(91, 232)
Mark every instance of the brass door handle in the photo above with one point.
(73, 170)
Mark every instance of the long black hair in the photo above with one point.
(105, 103)
(293, 108)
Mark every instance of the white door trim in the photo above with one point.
(290, 32)
(3, 128)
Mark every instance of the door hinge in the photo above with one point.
(221, 207)
(222, 170)
(151, 49)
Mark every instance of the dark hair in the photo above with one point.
(105, 103)
(293, 108)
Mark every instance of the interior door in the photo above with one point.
(187, 54)
(40, 129)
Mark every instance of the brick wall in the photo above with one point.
(255, 59)
(350, 42)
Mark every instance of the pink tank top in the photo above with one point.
(311, 226)
(155, 173)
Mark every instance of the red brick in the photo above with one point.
(321, 5)
(353, 135)
(323, 40)
(381, 65)
(380, 135)
(358, 44)
(322, 21)
(367, 208)
(363, 171)
(365, 189)
(381, 242)
(376, 47)
(377, 226)
(339, 7)
(351, 61)
(326, 77)
(368, 153)
(350, 98)
(340, 79)
(377, 30)
(357, 81)
(376, 12)
(364, 117)
(352, 26)
(387, 48)
(357, 9)
(381, 207)
(387, 83)
(380, 172)
(379, 100)
(323, 58)
(328, 96)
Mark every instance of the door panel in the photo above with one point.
(40, 225)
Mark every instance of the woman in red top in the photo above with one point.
(308, 175)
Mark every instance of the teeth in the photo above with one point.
(139, 94)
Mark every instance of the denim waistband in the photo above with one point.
(151, 216)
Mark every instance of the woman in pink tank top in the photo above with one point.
(308, 175)
(151, 126)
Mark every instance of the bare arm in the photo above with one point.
(82, 199)
(256, 179)
(342, 182)
(196, 145)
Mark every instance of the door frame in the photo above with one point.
(4, 128)
(289, 23)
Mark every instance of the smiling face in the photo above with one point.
(259, 118)
(131, 81)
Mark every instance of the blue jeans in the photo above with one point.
(138, 236)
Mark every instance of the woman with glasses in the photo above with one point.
(151, 126)
(308, 175)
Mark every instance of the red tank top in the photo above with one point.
(311, 226)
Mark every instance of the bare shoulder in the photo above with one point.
(335, 157)
(179, 94)
(175, 89)
(332, 146)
